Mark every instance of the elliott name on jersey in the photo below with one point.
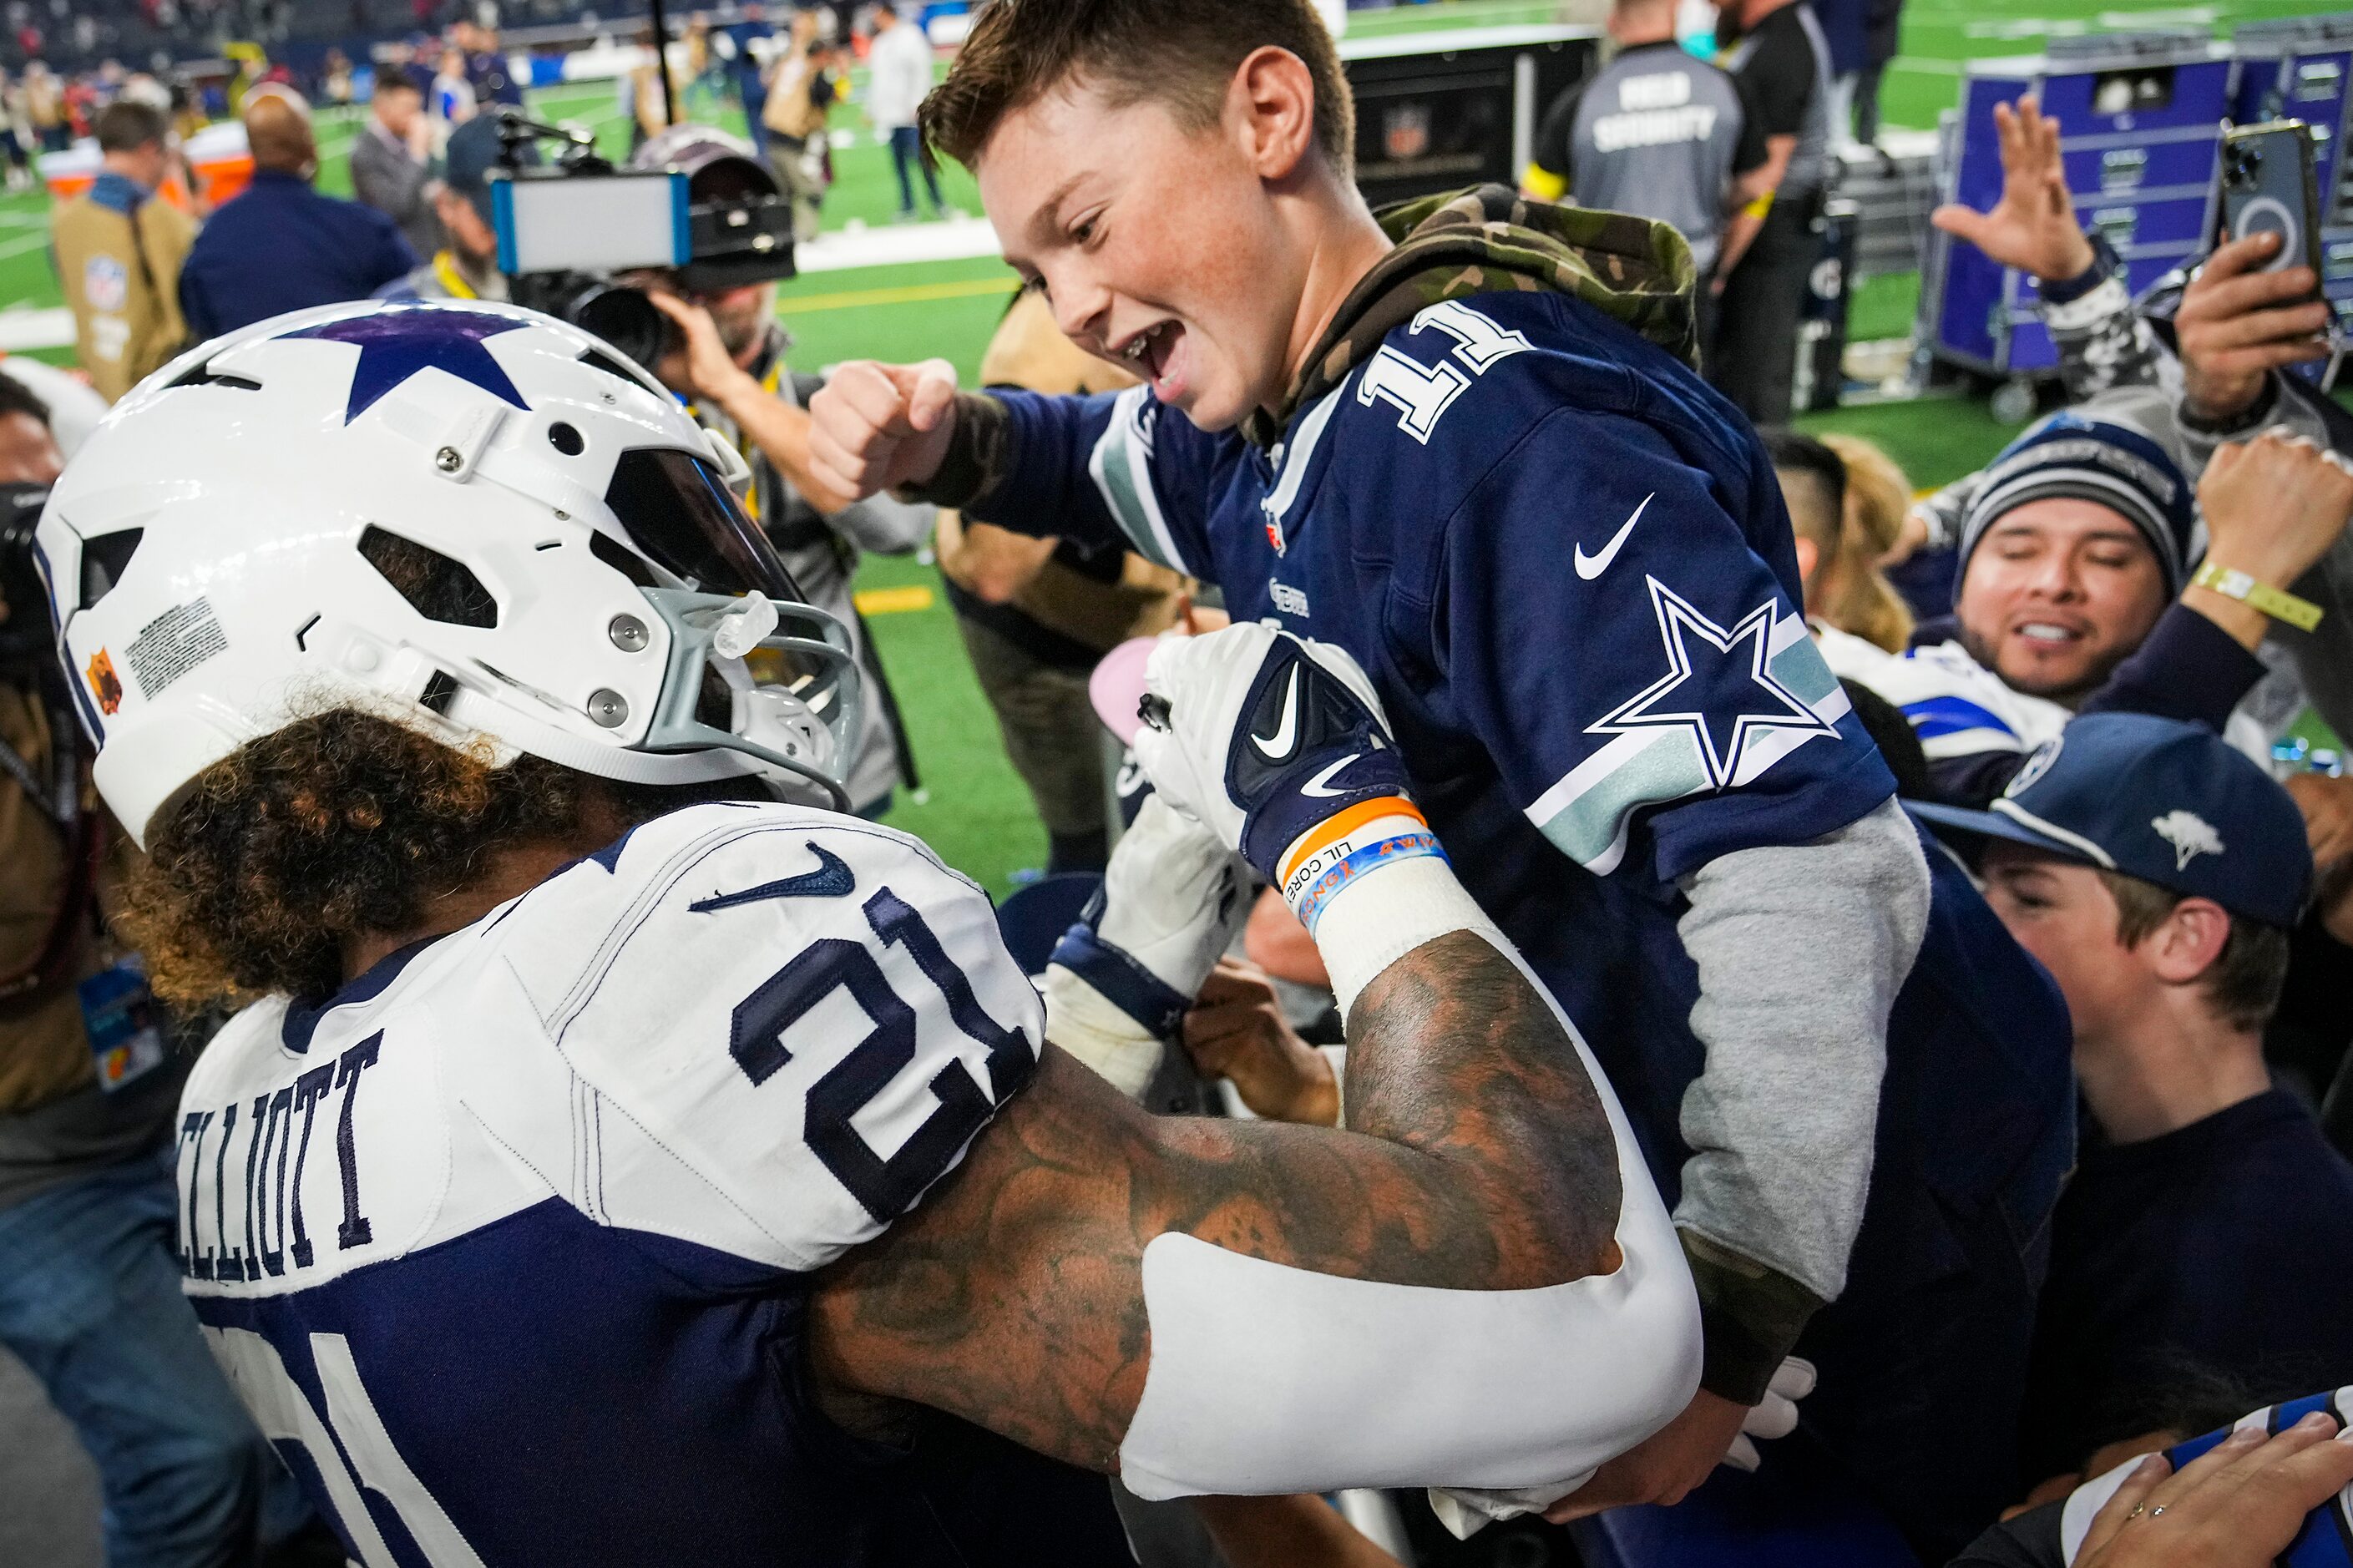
(563, 1173)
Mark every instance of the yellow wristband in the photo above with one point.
(1759, 207)
(2300, 614)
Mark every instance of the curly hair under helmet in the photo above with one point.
(337, 825)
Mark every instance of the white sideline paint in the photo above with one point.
(956, 239)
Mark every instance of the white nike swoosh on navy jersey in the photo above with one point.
(1274, 747)
(1591, 566)
(1315, 786)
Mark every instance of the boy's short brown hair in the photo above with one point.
(1181, 52)
(2244, 980)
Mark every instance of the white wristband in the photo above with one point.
(1385, 913)
(1336, 1058)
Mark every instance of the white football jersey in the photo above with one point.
(1957, 707)
(556, 1180)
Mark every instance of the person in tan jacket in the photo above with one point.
(119, 251)
(90, 1089)
(1037, 614)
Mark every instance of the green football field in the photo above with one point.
(974, 810)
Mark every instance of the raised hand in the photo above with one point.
(2275, 505)
(2033, 226)
(876, 426)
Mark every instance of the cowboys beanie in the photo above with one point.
(2105, 452)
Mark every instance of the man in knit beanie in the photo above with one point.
(2079, 535)
(2075, 550)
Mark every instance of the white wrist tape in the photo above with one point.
(1099, 1033)
(1336, 1057)
(1383, 915)
(1265, 1378)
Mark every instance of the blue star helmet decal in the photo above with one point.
(398, 340)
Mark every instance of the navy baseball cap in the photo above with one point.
(2160, 801)
(471, 152)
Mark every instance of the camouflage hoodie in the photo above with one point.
(1486, 238)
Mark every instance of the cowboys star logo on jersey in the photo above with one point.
(1720, 689)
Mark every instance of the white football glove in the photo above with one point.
(1172, 899)
(1278, 746)
(1776, 1415)
(1201, 745)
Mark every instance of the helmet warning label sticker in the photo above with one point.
(173, 644)
(104, 684)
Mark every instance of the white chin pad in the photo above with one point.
(1267, 1379)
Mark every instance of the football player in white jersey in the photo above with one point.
(611, 1154)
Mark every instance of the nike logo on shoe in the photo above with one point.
(832, 880)
(1317, 786)
(1277, 747)
(1591, 566)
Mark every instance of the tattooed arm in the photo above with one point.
(1475, 1286)
(1480, 1158)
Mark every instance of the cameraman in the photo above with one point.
(90, 1278)
(730, 367)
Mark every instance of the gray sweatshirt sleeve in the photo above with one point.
(1800, 951)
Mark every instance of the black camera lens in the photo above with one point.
(628, 321)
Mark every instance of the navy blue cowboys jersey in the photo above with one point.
(1566, 566)
(507, 1244)
(1565, 563)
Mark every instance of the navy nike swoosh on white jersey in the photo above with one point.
(832, 880)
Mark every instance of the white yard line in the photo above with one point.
(22, 330)
(957, 240)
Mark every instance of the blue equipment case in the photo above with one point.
(2140, 117)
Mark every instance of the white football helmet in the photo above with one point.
(212, 554)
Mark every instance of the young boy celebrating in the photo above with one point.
(1380, 433)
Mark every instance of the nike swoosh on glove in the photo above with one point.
(1276, 745)
(1121, 979)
